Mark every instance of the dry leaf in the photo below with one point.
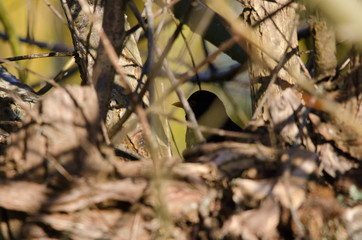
(255, 224)
(22, 196)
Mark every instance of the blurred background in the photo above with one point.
(35, 21)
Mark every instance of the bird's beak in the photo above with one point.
(178, 104)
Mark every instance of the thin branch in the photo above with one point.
(13, 38)
(156, 14)
(147, 84)
(270, 15)
(44, 45)
(40, 55)
(185, 77)
(187, 48)
(286, 56)
(42, 77)
(216, 131)
(180, 95)
(69, 68)
(219, 76)
(55, 12)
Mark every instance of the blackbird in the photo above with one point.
(210, 112)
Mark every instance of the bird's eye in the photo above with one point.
(192, 104)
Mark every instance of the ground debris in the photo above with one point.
(59, 180)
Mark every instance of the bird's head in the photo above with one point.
(209, 112)
(201, 101)
(207, 107)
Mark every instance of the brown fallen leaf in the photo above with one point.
(255, 224)
(22, 196)
(84, 195)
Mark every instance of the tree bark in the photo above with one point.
(279, 30)
(325, 58)
(85, 38)
(96, 68)
(103, 71)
